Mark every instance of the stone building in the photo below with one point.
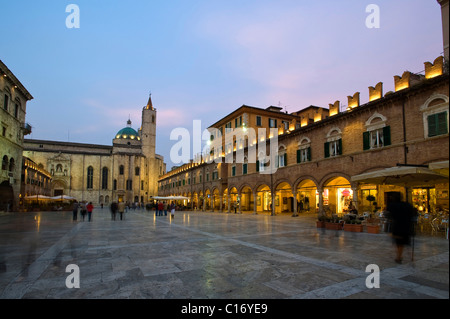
(320, 153)
(126, 171)
(13, 101)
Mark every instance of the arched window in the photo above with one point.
(5, 163)
(90, 177)
(435, 115)
(105, 178)
(333, 145)
(121, 169)
(11, 164)
(304, 150)
(59, 168)
(378, 134)
(282, 156)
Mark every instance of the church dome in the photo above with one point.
(128, 133)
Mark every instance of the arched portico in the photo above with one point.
(284, 198)
(337, 195)
(306, 196)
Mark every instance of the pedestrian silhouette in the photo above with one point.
(402, 216)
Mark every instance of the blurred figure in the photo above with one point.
(89, 208)
(113, 210)
(172, 210)
(121, 208)
(75, 210)
(402, 216)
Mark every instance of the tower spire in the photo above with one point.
(149, 103)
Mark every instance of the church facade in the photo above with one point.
(127, 171)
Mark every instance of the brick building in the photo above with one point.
(319, 151)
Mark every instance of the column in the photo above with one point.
(355, 197)
(295, 204)
(320, 191)
(254, 203)
(229, 203)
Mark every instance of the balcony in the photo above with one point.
(26, 129)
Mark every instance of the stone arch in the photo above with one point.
(337, 193)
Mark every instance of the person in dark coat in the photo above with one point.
(113, 210)
(402, 216)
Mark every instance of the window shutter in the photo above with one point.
(309, 153)
(432, 125)
(387, 135)
(327, 149)
(366, 141)
(340, 146)
(285, 159)
(257, 166)
(244, 169)
(298, 156)
(442, 123)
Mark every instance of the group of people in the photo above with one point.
(82, 209)
(162, 207)
(120, 207)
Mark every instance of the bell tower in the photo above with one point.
(148, 139)
(148, 129)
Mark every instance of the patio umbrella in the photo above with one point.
(406, 176)
(37, 197)
(63, 197)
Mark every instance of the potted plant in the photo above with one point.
(373, 226)
(358, 226)
(320, 223)
(333, 224)
(348, 225)
(370, 198)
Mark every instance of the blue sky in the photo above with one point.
(202, 59)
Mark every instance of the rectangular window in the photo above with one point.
(333, 148)
(16, 110)
(437, 124)
(233, 171)
(272, 123)
(258, 121)
(377, 138)
(5, 102)
(304, 155)
(244, 169)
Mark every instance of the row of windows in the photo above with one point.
(374, 138)
(7, 105)
(105, 173)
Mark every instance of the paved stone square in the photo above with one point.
(209, 255)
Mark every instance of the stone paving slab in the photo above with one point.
(209, 255)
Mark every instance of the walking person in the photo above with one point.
(75, 210)
(121, 208)
(402, 216)
(165, 208)
(172, 210)
(89, 209)
(160, 208)
(113, 210)
(83, 210)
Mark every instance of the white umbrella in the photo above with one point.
(63, 197)
(406, 176)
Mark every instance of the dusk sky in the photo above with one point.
(202, 59)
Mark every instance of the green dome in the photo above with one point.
(128, 133)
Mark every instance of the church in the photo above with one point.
(126, 171)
